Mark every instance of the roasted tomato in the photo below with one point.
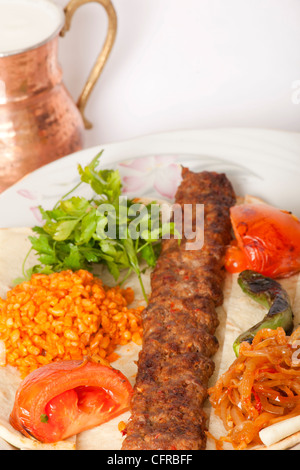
(267, 241)
(64, 398)
(235, 259)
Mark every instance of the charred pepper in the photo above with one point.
(270, 294)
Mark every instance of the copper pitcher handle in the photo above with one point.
(104, 54)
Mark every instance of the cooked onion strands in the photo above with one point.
(260, 388)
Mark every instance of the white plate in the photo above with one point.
(263, 163)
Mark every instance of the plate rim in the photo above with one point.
(205, 143)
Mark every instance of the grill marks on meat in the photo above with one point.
(179, 323)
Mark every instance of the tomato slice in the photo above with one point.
(65, 398)
(268, 241)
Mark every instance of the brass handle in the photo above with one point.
(102, 57)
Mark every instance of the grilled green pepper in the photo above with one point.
(269, 293)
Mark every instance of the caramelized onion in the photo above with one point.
(260, 388)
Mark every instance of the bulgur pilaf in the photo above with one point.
(66, 315)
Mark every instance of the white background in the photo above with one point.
(187, 64)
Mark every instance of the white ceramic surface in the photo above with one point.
(259, 162)
(263, 163)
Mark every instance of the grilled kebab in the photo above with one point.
(179, 322)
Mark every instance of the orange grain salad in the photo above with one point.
(66, 315)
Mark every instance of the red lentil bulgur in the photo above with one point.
(66, 315)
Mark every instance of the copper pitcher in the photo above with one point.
(39, 121)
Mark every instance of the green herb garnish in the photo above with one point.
(108, 229)
(44, 418)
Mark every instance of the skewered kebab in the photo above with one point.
(179, 324)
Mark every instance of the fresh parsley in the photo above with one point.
(108, 229)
